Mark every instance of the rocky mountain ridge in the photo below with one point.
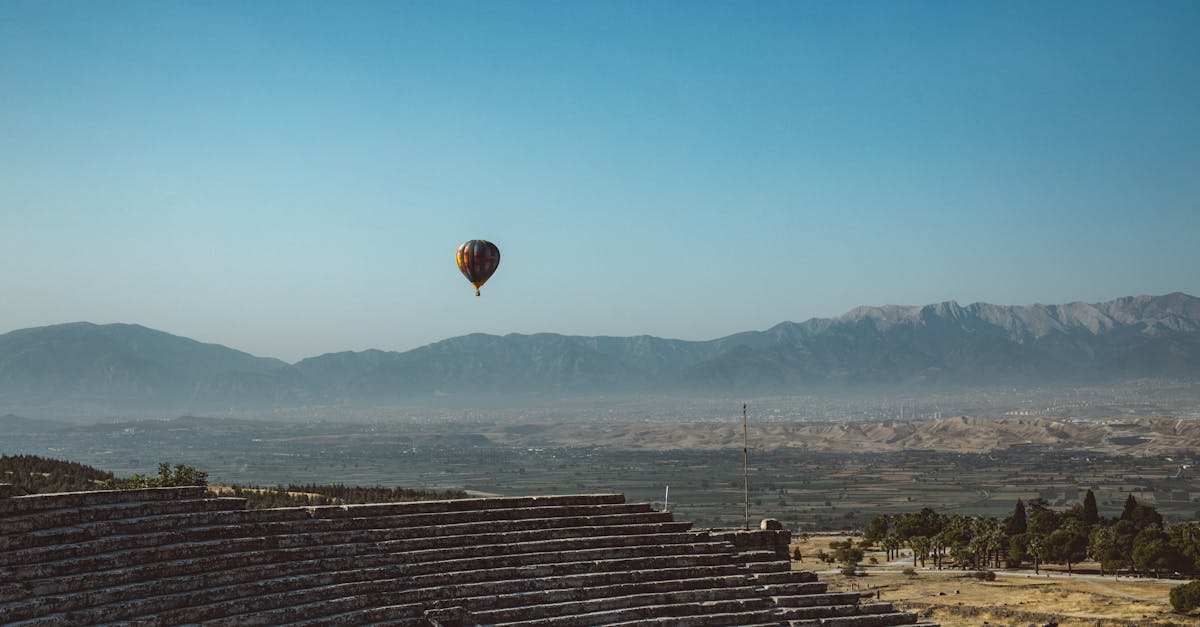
(115, 368)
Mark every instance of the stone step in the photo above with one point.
(817, 598)
(590, 601)
(497, 606)
(668, 556)
(756, 618)
(481, 532)
(124, 557)
(461, 505)
(168, 521)
(545, 577)
(281, 607)
(794, 589)
(678, 555)
(227, 556)
(174, 606)
(45, 522)
(60, 500)
(831, 610)
(751, 611)
(367, 611)
(666, 566)
(498, 595)
(769, 567)
(239, 576)
(759, 556)
(794, 576)
(486, 603)
(243, 522)
(873, 620)
(412, 551)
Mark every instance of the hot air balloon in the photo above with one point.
(477, 259)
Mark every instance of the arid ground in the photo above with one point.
(1017, 598)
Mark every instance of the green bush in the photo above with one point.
(984, 575)
(910, 572)
(182, 475)
(1186, 597)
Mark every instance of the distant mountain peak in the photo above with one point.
(112, 368)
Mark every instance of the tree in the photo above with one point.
(1150, 550)
(996, 540)
(1067, 544)
(1103, 547)
(1186, 598)
(1123, 534)
(1091, 514)
(923, 523)
(1043, 520)
(920, 547)
(1016, 524)
(1185, 541)
(845, 551)
(1141, 516)
(1036, 551)
(891, 546)
(1130, 504)
(182, 475)
(1018, 549)
(877, 529)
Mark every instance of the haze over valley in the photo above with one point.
(1107, 390)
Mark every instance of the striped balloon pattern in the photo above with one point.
(477, 260)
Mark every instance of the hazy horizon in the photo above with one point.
(292, 180)
(667, 337)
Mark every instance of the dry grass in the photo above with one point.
(954, 599)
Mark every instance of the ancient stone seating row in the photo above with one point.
(73, 555)
(173, 556)
(805, 602)
(517, 535)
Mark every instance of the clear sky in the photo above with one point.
(292, 178)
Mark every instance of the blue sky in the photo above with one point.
(292, 178)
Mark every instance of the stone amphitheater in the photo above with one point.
(169, 556)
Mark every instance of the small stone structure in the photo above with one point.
(167, 556)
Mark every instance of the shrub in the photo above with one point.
(984, 575)
(850, 570)
(1186, 597)
(182, 475)
(910, 572)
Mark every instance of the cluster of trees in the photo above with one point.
(31, 474)
(336, 494)
(180, 475)
(1137, 540)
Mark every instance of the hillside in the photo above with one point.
(31, 474)
(122, 366)
(128, 368)
(1139, 437)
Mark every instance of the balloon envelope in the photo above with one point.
(477, 260)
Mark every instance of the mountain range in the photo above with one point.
(124, 367)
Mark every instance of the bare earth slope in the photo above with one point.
(1144, 436)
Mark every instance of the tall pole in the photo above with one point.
(746, 468)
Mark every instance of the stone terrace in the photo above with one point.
(170, 556)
